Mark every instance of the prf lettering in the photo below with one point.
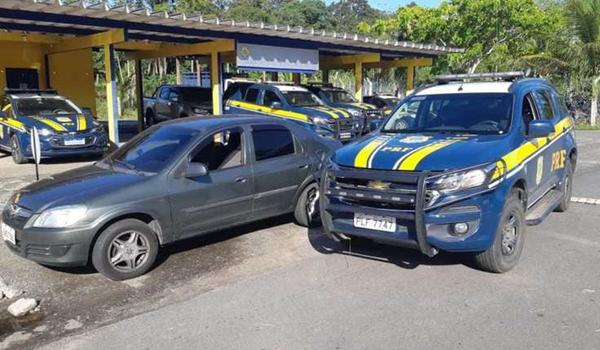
(558, 159)
(395, 149)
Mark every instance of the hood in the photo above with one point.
(74, 187)
(60, 122)
(323, 112)
(434, 152)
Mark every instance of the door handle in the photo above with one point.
(241, 179)
(303, 166)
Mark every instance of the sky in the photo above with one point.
(392, 5)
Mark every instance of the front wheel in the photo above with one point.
(566, 187)
(509, 239)
(126, 249)
(16, 152)
(307, 206)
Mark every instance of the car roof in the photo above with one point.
(466, 88)
(17, 96)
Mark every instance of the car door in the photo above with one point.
(5, 109)
(161, 107)
(280, 166)
(248, 105)
(222, 197)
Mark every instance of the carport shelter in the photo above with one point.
(49, 43)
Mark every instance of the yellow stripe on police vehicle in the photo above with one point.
(52, 124)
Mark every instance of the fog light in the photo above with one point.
(461, 228)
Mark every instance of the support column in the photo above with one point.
(198, 72)
(274, 76)
(139, 93)
(326, 75)
(112, 102)
(358, 80)
(410, 78)
(215, 78)
(297, 78)
(178, 70)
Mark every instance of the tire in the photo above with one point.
(150, 120)
(509, 239)
(566, 187)
(135, 263)
(307, 206)
(16, 152)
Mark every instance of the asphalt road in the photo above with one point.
(274, 285)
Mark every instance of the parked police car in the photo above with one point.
(386, 103)
(460, 166)
(370, 115)
(64, 129)
(297, 104)
(176, 180)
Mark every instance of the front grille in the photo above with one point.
(374, 188)
(373, 114)
(60, 141)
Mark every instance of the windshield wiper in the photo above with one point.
(128, 166)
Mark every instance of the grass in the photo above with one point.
(585, 126)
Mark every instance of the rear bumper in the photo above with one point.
(428, 230)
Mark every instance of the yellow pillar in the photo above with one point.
(112, 102)
(410, 77)
(358, 80)
(215, 78)
(139, 93)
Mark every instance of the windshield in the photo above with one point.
(301, 98)
(340, 96)
(390, 101)
(473, 113)
(151, 153)
(44, 105)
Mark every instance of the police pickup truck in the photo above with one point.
(462, 165)
(337, 97)
(297, 104)
(64, 128)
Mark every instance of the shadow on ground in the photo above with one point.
(362, 248)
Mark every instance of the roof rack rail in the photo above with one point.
(502, 76)
(319, 83)
(278, 82)
(30, 91)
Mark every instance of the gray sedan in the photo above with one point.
(176, 180)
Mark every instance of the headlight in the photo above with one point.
(355, 112)
(45, 132)
(60, 217)
(202, 111)
(462, 180)
(320, 121)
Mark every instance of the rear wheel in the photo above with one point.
(307, 206)
(16, 152)
(566, 187)
(508, 243)
(126, 249)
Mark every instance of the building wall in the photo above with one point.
(21, 55)
(72, 75)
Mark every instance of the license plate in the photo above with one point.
(345, 135)
(75, 142)
(375, 222)
(8, 234)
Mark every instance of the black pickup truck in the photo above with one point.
(175, 101)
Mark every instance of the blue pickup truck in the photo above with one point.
(297, 104)
(65, 129)
(463, 165)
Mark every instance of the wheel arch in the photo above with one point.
(146, 218)
(521, 186)
(573, 158)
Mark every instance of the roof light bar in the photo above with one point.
(506, 76)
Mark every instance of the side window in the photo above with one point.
(251, 95)
(269, 98)
(528, 112)
(271, 141)
(560, 102)
(222, 150)
(164, 93)
(544, 103)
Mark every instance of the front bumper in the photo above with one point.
(53, 247)
(428, 230)
(53, 146)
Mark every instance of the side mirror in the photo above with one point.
(540, 128)
(195, 170)
(3, 114)
(276, 105)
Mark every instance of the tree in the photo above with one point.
(585, 20)
(347, 14)
(305, 13)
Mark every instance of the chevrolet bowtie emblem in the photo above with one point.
(379, 185)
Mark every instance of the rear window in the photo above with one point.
(196, 94)
(251, 95)
(272, 141)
